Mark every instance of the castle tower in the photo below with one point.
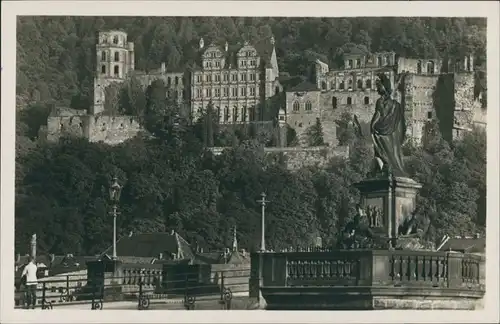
(115, 60)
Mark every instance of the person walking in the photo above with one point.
(31, 282)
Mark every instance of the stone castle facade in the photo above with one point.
(237, 80)
(432, 88)
(240, 80)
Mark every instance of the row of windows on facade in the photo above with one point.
(308, 106)
(115, 40)
(333, 85)
(218, 64)
(116, 56)
(116, 70)
(225, 92)
(430, 67)
(381, 61)
(244, 53)
(225, 77)
(244, 114)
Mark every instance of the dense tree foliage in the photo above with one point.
(172, 182)
(56, 55)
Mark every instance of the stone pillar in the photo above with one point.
(395, 198)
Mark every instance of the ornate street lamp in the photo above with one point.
(114, 196)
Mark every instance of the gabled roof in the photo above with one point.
(151, 245)
(471, 245)
(264, 48)
(304, 86)
(238, 258)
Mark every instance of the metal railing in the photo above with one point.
(215, 291)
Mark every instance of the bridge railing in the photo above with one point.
(396, 268)
(144, 286)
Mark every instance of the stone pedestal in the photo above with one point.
(395, 198)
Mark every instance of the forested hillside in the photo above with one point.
(55, 55)
(172, 182)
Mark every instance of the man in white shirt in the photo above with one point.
(31, 282)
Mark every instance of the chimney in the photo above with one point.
(33, 245)
(163, 69)
(226, 46)
(202, 43)
(160, 257)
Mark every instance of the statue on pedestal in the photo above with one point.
(388, 130)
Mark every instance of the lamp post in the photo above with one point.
(114, 196)
(263, 202)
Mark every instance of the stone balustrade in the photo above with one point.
(290, 280)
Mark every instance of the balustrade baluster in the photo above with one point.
(307, 269)
(438, 269)
(392, 272)
(347, 268)
(406, 268)
(341, 270)
(423, 273)
(326, 268)
(333, 268)
(400, 268)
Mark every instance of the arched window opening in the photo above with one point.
(419, 67)
(349, 83)
(367, 100)
(349, 64)
(117, 56)
(226, 114)
(308, 106)
(103, 56)
(360, 84)
(430, 67)
(358, 63)
(334, 102)
(115, 40)
(379, 61)
(333, 85)
(103, 69)
(117, 70)
(369, 84)
(276, 90)
(176, 80)
(342, 85)
(349, 100)
(235, 114)
(387, 60)
(296, 106)
(323, 85)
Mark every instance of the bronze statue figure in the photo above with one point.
(388, 130)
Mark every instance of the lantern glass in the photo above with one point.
(115, 191)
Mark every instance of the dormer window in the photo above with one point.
(115, 40)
